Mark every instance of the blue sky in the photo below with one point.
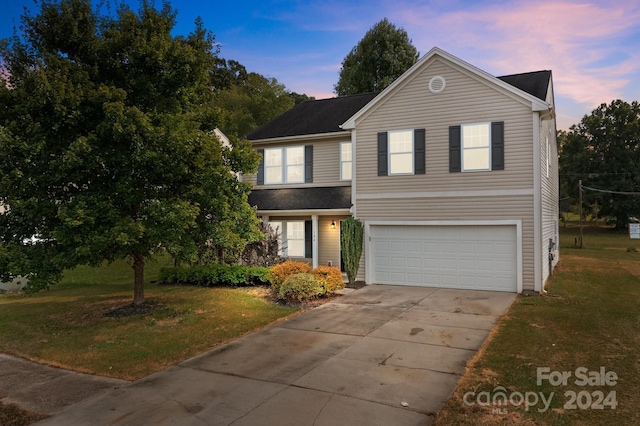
(592, 46)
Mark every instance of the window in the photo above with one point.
(273, 165)
(291, 238)
(401, 152)
(293, 164)
(277, 228)
(476, 147)
(284, 165)
(295, 239)
(346, 161)
(548, 156)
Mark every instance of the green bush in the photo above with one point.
(300, 287)
(215, 275)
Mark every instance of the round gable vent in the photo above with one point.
(437, 84)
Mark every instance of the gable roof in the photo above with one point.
(313, 117)
(338, 114)
(535, 83)
(537, 103)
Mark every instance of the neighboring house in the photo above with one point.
(452, 170)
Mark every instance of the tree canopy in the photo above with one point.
(247, 100)
(107, 144)
(383, 54)
(603, 151)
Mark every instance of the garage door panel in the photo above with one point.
(473, 257)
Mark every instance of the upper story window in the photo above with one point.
(284, 165)
(346, 161)
(291, 164)
(476, 147)
(401, 152)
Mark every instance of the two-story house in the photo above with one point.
(452, 170)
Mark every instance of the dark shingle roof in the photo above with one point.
(534, 83)
(337, 197)
(313, 117)
(326, 115)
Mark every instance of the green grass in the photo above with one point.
(589, 318)
(65, 326)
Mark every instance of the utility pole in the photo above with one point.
(580, 191)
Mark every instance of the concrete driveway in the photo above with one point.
(380, 355)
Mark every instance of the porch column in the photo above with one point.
(314, 240)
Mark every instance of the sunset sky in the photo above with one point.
(592, 47)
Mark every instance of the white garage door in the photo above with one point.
(466, 257)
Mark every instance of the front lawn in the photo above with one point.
(66, 326)
(589, 318)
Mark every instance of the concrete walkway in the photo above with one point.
(381, 355)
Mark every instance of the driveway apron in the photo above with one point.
(377, 356)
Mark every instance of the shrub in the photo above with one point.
(282, 271)
(215, 275)
(330, 278)
(352, 231)
(300, 287)
(264, 252)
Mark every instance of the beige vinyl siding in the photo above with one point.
(326, 163)
(464, 100)
(549, 189)
(329, 240)
(459, 209)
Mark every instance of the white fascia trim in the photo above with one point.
(537, 206)
(353, 173)
(536, 104)
(515, 222)
(314, 240)
(448, 194)
(326, 212)
(297, 138)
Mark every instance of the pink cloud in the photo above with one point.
(574, 39)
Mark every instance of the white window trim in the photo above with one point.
(283, 165)
(283, 238)
(463, 149)
(412, 152)
(548, 155)
(342, 162)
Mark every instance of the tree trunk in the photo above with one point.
(138, 279)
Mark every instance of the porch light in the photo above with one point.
(333, 224)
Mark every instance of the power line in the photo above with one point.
(611, 192)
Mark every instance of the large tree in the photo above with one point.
(603, 151)
(247, 100)
(377, 60)
(107, 147)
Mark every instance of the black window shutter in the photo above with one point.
(419, 152)
(454, 149)
(382, 154)
(308, 246)
(497, 145)
(308, 163)
(261, 167)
